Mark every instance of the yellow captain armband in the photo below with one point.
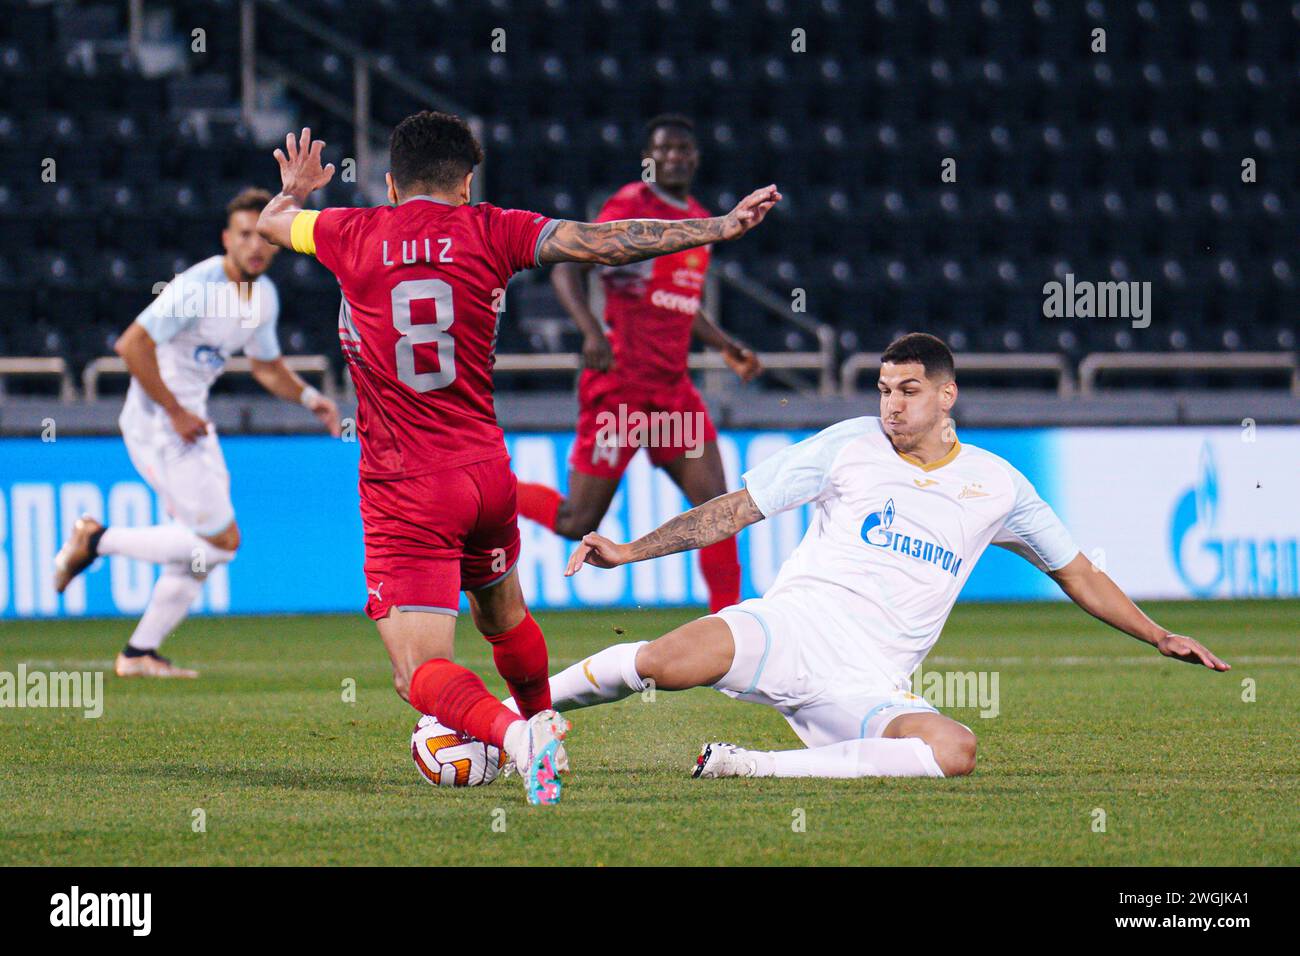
(302, 233)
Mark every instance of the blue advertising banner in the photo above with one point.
(295, 501)
(1176, 525)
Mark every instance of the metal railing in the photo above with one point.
(1098, 362)
(982, 362)
(240, 364)
(735, 278)
(696, 361)
(847, 373)
(40, 367)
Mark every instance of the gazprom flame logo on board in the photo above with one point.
(877, 531)
(1214, 563)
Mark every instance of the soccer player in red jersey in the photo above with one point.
(423, 280)
(652, 309)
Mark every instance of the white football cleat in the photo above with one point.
(539, 756)
(724, 760)
(150, 665)
(77, 553)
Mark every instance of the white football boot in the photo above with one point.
(536, 750)
(724, 760)
(150, 665)
(77, 553)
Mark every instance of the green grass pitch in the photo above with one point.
(286, 772)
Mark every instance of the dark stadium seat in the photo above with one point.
(1122, 165)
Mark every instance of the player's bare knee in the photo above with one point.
(954, 751)
(680, 660)
(492, 620)
(499, 607)
(651, 660)
(568, 529)
(573, 523)
(402, 684)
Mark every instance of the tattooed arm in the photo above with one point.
(700, 527)
(631, 240)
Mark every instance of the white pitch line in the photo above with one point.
(242, 667)
(69, 662)
(1085, 661)
(936, 661)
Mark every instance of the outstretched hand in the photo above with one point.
(1182, 648)
(596, 550)
(301, 172)
(749, 212)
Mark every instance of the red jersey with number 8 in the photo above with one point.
(423, 288)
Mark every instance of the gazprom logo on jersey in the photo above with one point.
(209, 356)
(1211, 563)
(876, 531)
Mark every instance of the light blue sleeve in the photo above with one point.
(169, 313)
(1033, 531)
(265, 345)
(799, 474)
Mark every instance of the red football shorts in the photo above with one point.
(431, 536)
(617, 418)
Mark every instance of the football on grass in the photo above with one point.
(447, 758)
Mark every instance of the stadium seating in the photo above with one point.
(1123, 165)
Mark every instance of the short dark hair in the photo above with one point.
(929, 350)
(250, 199)
(432, 150)
(675, 120)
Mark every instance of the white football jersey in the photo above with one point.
(199, 321)
(891, 540)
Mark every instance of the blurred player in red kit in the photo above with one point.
(652, 309)
(423, 279)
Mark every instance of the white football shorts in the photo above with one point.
(191, 479)
(791, 658)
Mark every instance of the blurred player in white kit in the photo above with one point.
(902, 511)
(175, 350)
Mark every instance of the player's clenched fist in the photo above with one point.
(300, 170)
(742, 361)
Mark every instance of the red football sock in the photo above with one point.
(457, 697)
(720, 564)
(520, 655)
(539, 503)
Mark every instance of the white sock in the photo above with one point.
(606, 676)
(163, 544)
(514, 740)
(875, 757)
(173, 593)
